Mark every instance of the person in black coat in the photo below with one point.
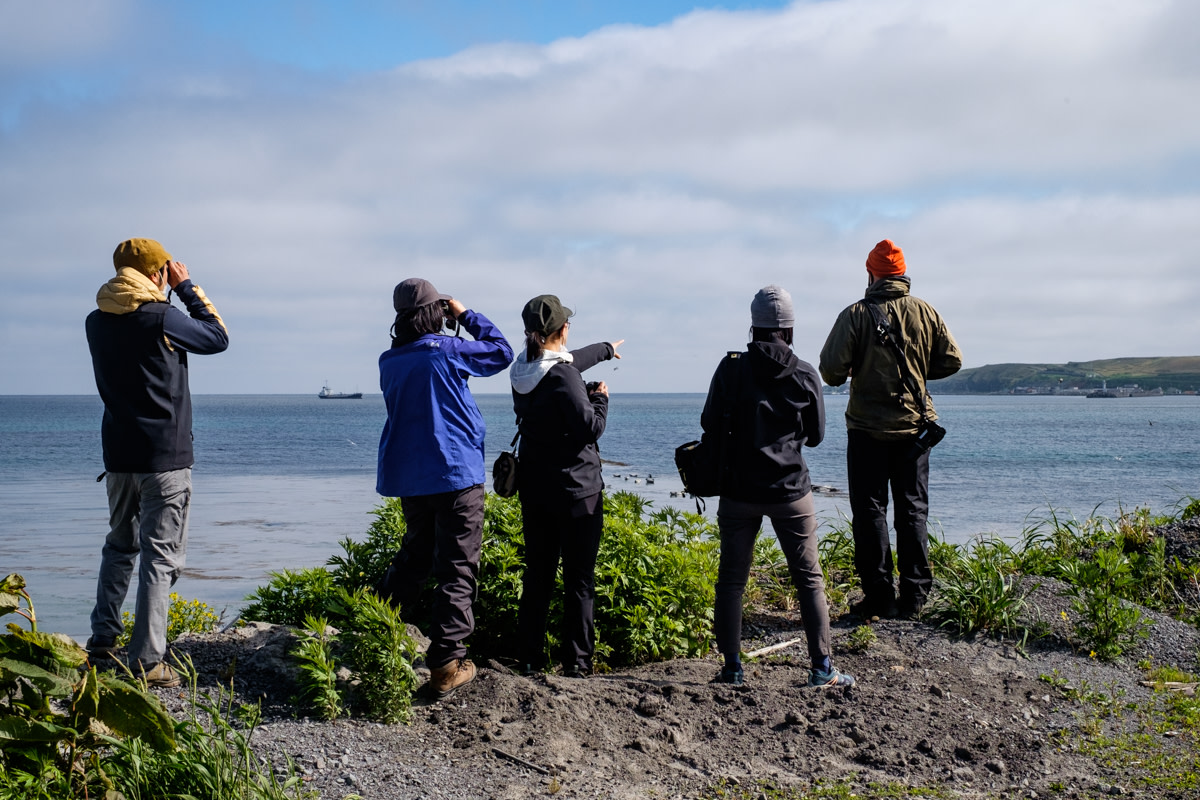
(763, 407)
(560, 420)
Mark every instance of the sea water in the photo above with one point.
(279, 480)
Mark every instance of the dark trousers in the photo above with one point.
(443, 538)
(795, 525)
(573, 534)
(872, 466)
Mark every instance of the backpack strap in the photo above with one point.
(886, 337)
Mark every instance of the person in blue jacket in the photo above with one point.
(431, 457)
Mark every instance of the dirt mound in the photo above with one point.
(972, 716)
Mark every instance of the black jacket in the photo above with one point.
(559, 461)
(776, 409)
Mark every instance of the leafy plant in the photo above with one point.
(1107, 624)
(51, 714)
(183, 616)
(379, 653)
(861, 639)
(214, 759)
(290, 596)
(976, 589)
(318, 668)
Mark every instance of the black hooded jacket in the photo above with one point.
(776, 408)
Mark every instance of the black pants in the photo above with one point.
(872, 466)
(795, 525)
(443, 538)
(571, 533)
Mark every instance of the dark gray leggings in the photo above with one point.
(795, 526)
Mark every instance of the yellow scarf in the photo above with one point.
(127, 291)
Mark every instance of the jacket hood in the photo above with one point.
(127, 291)
(772, 360)
(887, 288)
(526, 375)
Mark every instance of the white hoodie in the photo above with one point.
(526, 375)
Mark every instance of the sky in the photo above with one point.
(651, 163)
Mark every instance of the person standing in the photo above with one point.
(883, 418)
(763, 407)
(560, 420)
(139, 345)
(431, 457)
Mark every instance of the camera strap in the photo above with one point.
(886, 337)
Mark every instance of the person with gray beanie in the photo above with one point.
(764, 405)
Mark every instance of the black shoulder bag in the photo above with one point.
(504, 471)
(701, 463)
(929, 433)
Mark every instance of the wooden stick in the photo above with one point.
(762, 651)
(521, 761)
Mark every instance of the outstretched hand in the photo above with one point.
(615, 345)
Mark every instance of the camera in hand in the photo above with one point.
(592, 386)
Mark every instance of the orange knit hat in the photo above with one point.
(886, 259)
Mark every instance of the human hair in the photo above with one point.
(781, 335)
(417, 322)
(535, 343)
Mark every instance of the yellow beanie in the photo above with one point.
(145, 255)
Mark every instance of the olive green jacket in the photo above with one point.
(879, 402)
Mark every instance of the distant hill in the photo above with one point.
(1170, 373)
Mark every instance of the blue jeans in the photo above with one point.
(148, 516)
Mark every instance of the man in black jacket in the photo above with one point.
(139, 344)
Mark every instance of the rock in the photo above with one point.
(963, 754)
(938, 691)
(649, 705)
(996, 766)
(857, 734)
(964, 774)
(794, 718)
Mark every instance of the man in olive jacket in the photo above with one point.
(882, 418)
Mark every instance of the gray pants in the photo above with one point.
(795, 526)
(148, 516)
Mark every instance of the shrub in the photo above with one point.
(318, 669)
(1107, 624)
(290, 596)
(379, 653)
(183, 616)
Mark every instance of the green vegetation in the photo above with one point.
(1180, 373)
(68, 730)
(1109, 568)
(1155, 743)
(183, 616)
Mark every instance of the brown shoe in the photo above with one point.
(445, 680)
(161, 676)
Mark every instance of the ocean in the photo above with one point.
(280, 479)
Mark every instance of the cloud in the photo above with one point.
(1038, 163)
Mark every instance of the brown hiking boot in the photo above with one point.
(445, 680)
(161, 676)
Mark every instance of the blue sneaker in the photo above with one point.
(731, 675)
(829, 680)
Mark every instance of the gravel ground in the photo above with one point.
(967, 714)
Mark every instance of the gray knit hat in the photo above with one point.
(772, 308)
